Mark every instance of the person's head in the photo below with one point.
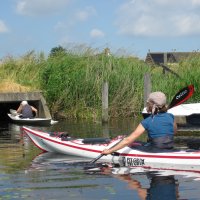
(156, 102)
(23, 103)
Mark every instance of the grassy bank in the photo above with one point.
(72, 82)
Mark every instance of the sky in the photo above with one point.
(126, 27)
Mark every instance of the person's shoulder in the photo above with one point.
(145, 122)
(147, 119)
(170, 114)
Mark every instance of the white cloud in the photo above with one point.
(40, 7)
(96, 33)
(3, 27)
(159, 18)
(83, 15)
(196, 2)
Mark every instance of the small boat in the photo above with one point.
(132, 156)
(15, 117)
(185, 113)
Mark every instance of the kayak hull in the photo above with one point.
(188, 160)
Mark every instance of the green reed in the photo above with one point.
(72, 83)
(24, 70)
(188, 71)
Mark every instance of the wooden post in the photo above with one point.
(147, 87)
(105, 102)
(165, 58)
(165, 61)
(105, 130)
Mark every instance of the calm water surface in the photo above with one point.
(26, 173)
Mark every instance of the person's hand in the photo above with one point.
(106, 151)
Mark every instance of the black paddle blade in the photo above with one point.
(182, 96)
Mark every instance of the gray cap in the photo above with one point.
(157, 98)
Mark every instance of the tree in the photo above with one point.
(55, 51)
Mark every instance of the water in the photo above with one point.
(25, 173)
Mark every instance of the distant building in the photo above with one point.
(157, 58)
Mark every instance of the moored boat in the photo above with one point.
(132, 156)
(184, 113)
(31, 121)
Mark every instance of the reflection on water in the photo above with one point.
(156, 187)
(25, 173)
(68, 172)
(162, 184)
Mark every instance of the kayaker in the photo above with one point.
(26, 110)
(160, 126)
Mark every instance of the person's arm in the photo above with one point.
(19, 110)
(126, 141)
(34, 110)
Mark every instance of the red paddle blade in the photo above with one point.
(182, 96)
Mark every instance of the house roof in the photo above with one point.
(167, 57)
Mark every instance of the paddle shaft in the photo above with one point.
(97, 158)
(101, 155)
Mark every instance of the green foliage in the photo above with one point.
(24, 70)
(72, 82)
(189, 72)
(57, 51)
(75, 82)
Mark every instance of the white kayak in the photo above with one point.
(191, 112)
(15, 117)
(133, 156)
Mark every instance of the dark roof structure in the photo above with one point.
(157, 58)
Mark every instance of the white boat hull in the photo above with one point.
(184, 113)
(128, 157)
(31, 121)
